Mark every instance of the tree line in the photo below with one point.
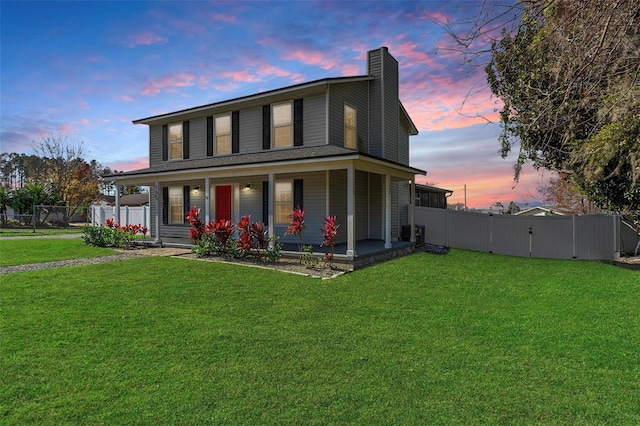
(55, 174)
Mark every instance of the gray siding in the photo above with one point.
(338, 201)
(314, 119)
(391, 108)
(251, 201)
(155, 145)
(375, 101)
(403, 144)
(362, 206)
(251, 130)
(376, 203)
(354, 94)
(198, 138)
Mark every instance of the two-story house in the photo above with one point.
(335, 146)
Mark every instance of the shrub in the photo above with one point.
(329, 234)
(296, 227)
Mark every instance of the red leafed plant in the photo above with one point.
(111, 223)
(329, 234)
(245, 240)
(296, 226)
(197, 225)
(222, 230)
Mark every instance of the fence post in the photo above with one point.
(144, 215)
(616, 237)
(126, 215)
(573, 235)
(491, 220)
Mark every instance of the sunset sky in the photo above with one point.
(87, 69)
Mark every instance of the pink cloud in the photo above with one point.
(229, 19)
(134, 164)
(242, 75)
(310, 57)
(127, 98)
(168, 83)
(145, 39)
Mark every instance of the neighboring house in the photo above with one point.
(540, 211)
(131, 200)
(431, 196)
(335, 146)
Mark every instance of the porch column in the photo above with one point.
(387, 212)
(271, 198)
(350, 211)
(207, 204)
(412, 211)
(117, 212)
(156, 203)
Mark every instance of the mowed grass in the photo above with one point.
(25, 232)
(39, 250)
(466, 338)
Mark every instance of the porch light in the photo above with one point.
(247, 187)
(196, 189)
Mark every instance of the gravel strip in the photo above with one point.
(70, 262)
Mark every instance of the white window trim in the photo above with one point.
(273, 127)
(215, 134)
(180, 124)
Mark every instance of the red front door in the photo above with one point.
(223, 202)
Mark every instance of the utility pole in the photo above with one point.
(465, 197)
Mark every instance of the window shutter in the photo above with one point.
(235, 132)
(297, 122)
(185, 140)
(266, 126)
(165, 205)
(209, 136)
(185, 202)
(265, 202)
(165, 142)
(297, 194)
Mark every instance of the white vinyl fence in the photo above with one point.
(594, 237)
(128, 215)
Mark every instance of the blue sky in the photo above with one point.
(85, 70)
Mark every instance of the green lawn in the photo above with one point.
(38, 250)
(24, 232)
(466, 338)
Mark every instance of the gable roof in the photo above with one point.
(310, 86)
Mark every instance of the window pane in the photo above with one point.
(175, 133)
(175, 205)
(281, 115)
(176, 150)
(349, 127)
(223, 125)
(223, 144)
(283, 192)
(282, 136)
(283, 201)
(175, 141)
(349, 116)
(350, 138)
(283, 213)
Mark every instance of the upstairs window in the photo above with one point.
(349, 127)
(223, 134)
(282, 125)
(175, 141)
